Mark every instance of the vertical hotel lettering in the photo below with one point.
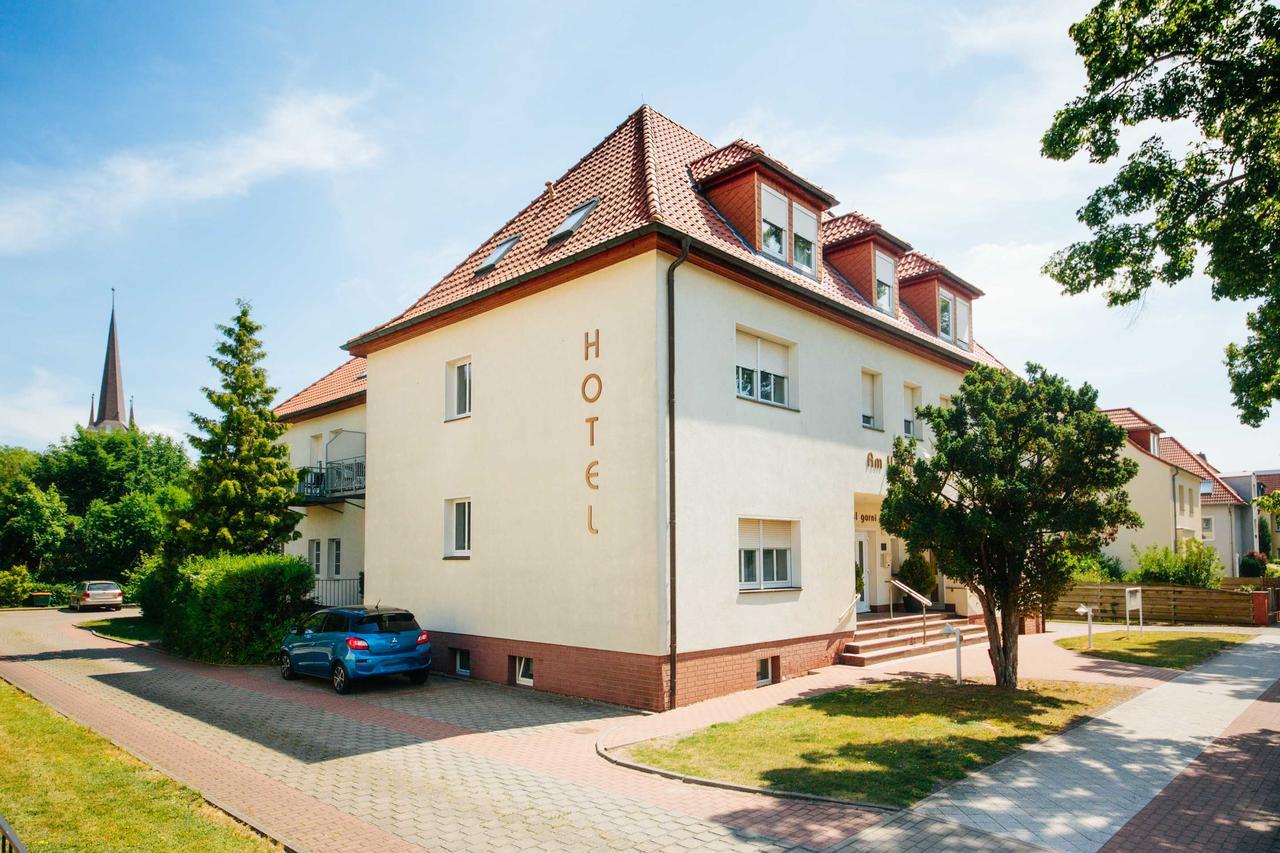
(592, 388)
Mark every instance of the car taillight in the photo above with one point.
(422, 638)
(357, 644)
(86, 595)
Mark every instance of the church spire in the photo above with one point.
(110, 414)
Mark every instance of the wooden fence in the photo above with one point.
(1159, 604)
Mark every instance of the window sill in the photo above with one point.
(756, 591)
(457, 557)
(768, 403)
(873, 428)
(457, 417)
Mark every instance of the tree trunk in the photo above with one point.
(1002, 639)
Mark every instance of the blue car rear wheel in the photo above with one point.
(341, 681)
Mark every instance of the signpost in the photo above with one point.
(951, 630)
(1132, 601)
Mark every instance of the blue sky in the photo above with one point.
(329, 162)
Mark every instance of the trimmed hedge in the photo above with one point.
(235, 609)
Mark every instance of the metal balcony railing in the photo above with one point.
(343, 478)
(9, 841)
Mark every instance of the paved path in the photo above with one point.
(1075, 791)
(452, 766)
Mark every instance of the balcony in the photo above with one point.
(329, 482)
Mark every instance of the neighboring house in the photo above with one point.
(576, 483)
(1269, 482)
(1227, 520)
(326, 440)
(1164, 494)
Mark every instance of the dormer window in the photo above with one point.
(886, 281)
(1155, 444)
(805, 224)
(962, 322)
(573, 220)
(497, 254)
(946, 316)
(773, 223)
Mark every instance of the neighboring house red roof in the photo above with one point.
(1129, 419)
(1177, 453)
(1270, 481)
(641, 175)
(344, 383)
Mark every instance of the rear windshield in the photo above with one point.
(386, 623)
(100, 587)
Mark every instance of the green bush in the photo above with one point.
(235, 609)
(1196, 564)
(1253, 565)
(1095, 568)
(916, 573)
(145, 585)
(62, 592)
(1264, 535)
(15, 586)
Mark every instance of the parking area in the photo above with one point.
(451, 766)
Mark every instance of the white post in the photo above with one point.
(959, 640)
(1090, 627)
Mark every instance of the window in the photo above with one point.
(461, 661)
(524, 671)
(773, 223)
(497, 254)
(946, 315)
(458, 380)
(886, 280)
(765, 554)
(393, 622)
(764, 672)
(1182, 501)
(1154, 443)
(1206, 529)
(313, 554)
(963, 307)
(761, 370)
(872, 407)
(313, 623)
(573, 220)
(334, 623)
(1206, 488)
(805, 225)
(335, 556)
(458, 528)
(910, 402)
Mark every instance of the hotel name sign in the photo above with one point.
(592, 388)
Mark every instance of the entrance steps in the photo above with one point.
(880, 640)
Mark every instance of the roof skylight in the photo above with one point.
(573, 220)
(496, 255)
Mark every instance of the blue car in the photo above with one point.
(347, 644)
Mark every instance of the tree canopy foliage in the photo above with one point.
(1210, 68)
(1023, 475)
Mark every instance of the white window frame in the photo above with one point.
(912, 399)
(947, 298)
(335, 557)
(758, 555)
(458, 668)
(1206, 528)
(451, 548)
(876, 412)
(1153, 443)
(521, 678)
(313, 555)
(964, 330)
(767, 678)
(811, 240)
(893, 283)
(456, 371)
(765, 189)
(757, 374)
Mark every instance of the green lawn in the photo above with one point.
(132, 629)
(1171, 649)
(64, 788)
(891, 742)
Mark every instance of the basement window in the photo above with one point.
(573, 220)
(499, 251)
(764, 672)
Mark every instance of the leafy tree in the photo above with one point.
(1213, 67)
(1025, 474)
(16, 467)
(36, 527)
(1264, 535)
(89, 466)
(114, 537)
(243, 483)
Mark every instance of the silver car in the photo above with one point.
(97, 594)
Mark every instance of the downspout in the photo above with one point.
(1173, 498)
(671, 466)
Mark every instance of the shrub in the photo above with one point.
(235, 609)
(1253, 564)
(15, 586)
(1264, 535)
(1094, 568)
(1195, 565)
(916, 573)
(145, 585)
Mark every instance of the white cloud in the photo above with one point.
(308, 133)
(42, 411)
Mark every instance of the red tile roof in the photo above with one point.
(1270, 481)
(915, 264)
(641, 174)
(739, 152)
(346, 382)
(1129, 419)
(847, 226)
(1176, 452)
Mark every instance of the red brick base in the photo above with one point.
(635, 680)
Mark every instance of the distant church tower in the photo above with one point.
(110, 415)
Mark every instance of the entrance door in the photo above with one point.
(862, 555)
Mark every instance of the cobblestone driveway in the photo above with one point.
(452, 766)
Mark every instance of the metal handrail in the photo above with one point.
(9, 841)
(924, 607)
